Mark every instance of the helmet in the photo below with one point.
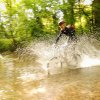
(61, 22)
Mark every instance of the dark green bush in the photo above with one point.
(5, 44)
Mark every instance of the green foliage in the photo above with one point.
(38, 19)
(5, 44)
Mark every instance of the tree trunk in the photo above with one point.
(71, 3)
(80, 15)
(96, 5)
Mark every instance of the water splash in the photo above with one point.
(1, 57)
(89, 62)
(75, 55)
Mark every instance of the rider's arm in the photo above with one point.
(73, 28)
(57, 39)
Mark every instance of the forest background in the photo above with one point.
(23, 21)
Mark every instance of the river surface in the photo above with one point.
(21, 84)
(25, 78)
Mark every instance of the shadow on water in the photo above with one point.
(24, 74)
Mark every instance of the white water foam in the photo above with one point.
(76, 55)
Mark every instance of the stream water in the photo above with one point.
(45, 72)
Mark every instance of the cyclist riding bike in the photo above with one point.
(68, 30)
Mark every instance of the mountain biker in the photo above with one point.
(68, 30)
